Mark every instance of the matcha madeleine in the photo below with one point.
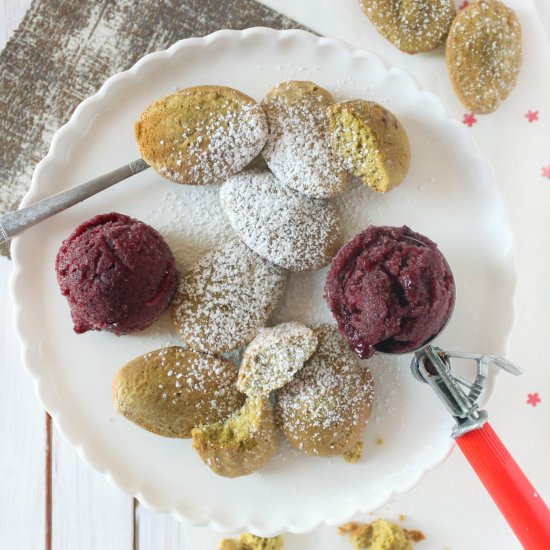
(279, 224)
(201, 135)
(484, 54)
(249, 541)
(298, 147)
(324, 409)
(413, 26)
(225, 298)
(370, 142)
(274, 356)
(241, 444)
(171, 390)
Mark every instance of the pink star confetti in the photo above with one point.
(463, 5)
(546, 172)
(469, 119)
(533, 399)
(531, 116)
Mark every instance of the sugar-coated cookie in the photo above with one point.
(225, 298)
(171, 390)
(201, 135)
(274, 356)
(298, 149)
(283, 226)
(411, 25)
(484, 54)
(323, 410)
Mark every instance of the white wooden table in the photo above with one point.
(49, 499)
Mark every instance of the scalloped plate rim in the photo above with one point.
(295, 525)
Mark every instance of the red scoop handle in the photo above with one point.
(517, 499)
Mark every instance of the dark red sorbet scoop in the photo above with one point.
(117, 273)
(390, 289)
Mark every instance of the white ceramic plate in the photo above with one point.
(449, 195)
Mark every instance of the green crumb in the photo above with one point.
(237, 429)
(248, 541)
(381, 534)
(241, 444)
(228, 544)
(370, 142)
(353, 455)
(355, 144)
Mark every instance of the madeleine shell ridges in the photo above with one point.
(171, 390)
(413, 26)
(298, 148)
(225, 297)
(323, 410)
(274, 356)
(484, 54)
(286, 228)
(201, 135)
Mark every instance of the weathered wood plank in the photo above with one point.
(11, 14)
(156, 531)
(23, 437)
(88, 513)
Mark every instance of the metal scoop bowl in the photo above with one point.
(512, 492)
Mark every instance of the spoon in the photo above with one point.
(13, 223)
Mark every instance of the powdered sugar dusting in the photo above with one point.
(392, 376)
(192, 222)
(325, 407)
(274, 357)
(296, 232)
(225, 297)
(412, 26)
(298, 149)
(187, 374)
(234, 139)
(484, 54)
(198, 149)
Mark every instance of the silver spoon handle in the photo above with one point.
(15, 222)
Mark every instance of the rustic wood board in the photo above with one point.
(24, 443)
(65, 49)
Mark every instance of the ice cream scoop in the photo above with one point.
(387, 277)
(520, 504)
